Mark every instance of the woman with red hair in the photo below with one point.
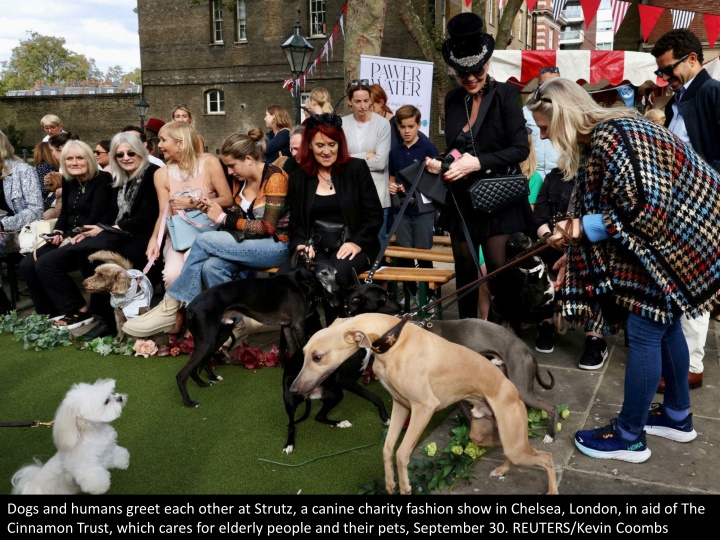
(333, 195)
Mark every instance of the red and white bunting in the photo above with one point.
(619, 10)
(681, 19)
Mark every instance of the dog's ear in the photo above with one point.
(67, 423)
(361, 339)
(121, 283)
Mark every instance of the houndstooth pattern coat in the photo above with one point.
(661, 204)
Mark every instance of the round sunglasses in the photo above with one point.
(129, 154)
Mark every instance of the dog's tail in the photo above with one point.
(22, 480)
(546, 386)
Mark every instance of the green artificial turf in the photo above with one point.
(231, 444)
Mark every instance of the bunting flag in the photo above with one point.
(589, 9)
(500, 6)
(558, 6)
(648, 18)
(530, 4)
(342, 26)
(468, 3)
(681, 19)
(712, 27)
(619, 9)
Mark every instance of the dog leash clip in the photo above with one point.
(38, 423)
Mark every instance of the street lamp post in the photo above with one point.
(141, 106)
(298, 52)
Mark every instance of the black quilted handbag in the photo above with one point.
(488, 195)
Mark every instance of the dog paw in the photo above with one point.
(121, 458)
(219, 378)
(499, 472)
(547, 439)
(95, 484)
(288, 449)
(343, 424)
(390, 487)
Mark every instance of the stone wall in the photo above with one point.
(92, 117)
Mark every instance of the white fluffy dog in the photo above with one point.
(86, 443)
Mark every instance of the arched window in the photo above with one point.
(214, 102)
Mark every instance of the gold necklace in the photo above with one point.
(82, 184)
(328, 180)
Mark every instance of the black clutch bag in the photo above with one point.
(332, 235)
(488, 195)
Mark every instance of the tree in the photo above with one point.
(363, 32)
(44, 59)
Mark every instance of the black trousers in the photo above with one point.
(52, 289)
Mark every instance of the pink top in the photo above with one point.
(196, 183)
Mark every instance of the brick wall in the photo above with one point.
(92, 117)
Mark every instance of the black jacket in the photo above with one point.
(553, 198)
(358, 200)
(500, 140)
(700, 108)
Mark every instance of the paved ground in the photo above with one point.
(594, 397)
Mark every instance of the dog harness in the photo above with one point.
(383, 343)
(139, 295)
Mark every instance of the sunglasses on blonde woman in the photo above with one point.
(129, 154)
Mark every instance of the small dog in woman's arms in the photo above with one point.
(86, 445)
(130, 290)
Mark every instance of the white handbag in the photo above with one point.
(29, 235)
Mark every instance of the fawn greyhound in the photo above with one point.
(425, 373)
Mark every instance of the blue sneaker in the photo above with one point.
(661, 425)
(606, 443)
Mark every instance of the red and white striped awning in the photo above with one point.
(591, 67)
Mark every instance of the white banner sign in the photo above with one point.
(406, 82)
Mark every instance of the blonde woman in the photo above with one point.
(20, 196)
(644, 205)
(277, 140)
(190, 175)
(319, 101)
(253, 234)
(87, 202)
(181, 113)
(529, 169)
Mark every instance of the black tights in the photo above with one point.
(466, 272)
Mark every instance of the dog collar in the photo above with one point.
(382, 344)
(539, 268)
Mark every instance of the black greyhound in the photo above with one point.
(345, 378)
(282, 300)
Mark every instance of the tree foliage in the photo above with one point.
(44, 59)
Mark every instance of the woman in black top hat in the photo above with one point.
(485, 123)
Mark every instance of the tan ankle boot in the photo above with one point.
(159, 319)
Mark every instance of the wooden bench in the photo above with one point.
(429, 280)
(437, 240)
(393, 252)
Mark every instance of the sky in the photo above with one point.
(105, 30)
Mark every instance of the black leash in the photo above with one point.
(27, 423)
(396, 222)
(533, 250)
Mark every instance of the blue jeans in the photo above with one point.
(655, 349)
(216, 257)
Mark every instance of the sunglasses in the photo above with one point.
(129, 154)
(98, 152)
(551, 69)
(669, 71)
(476, 74)
(357, 82)
(537, 96)
(179, 105)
